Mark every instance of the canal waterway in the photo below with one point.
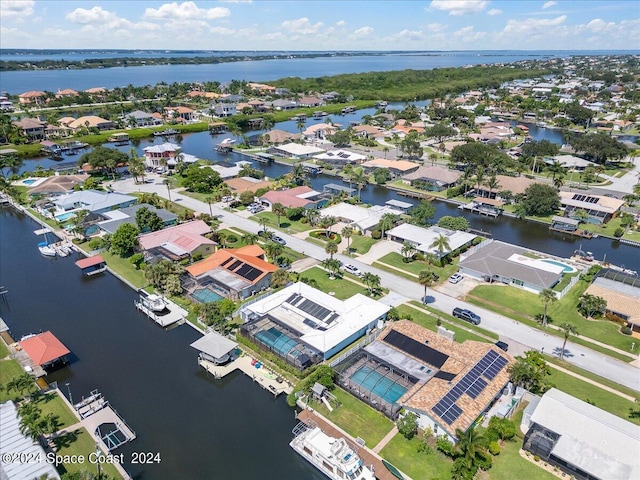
(202, 428)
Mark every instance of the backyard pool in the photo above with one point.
(205, 295)
(567, 268)
(378, 384)
(63, 217)
(29, 181)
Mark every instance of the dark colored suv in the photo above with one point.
(502, 345)
(466, 315)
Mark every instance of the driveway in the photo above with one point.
(379, 250)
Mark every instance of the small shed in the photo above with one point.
(92, 265)
(215, 348)
(318, 390)
(45, 349)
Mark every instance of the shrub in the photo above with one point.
(97, 243)
(376, 234)
(626, 330)
(454, 192)
(536, 458)
(618, 232)
(231, 239)
(494, 448)
(502, 428)
(197, 256)
(484, 461)
(446, 447)
(408, 425)
(136, 259)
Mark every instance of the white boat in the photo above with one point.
(45, 248)
(154, 302)
(332, 456)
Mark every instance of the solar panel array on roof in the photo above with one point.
(471, 384)
(585, 198)
(441, 374)
(416, 349)
(313, 309)
(235, 265)
(227, 261)
(331, 318)
(248, 272)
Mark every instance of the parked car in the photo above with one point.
(227, 198)
(255, 209)
(466, 315)
(353, 270)
(502, 345)
(279, 240)
(455, 278)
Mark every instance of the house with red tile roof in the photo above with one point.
(67, 92)
(185, 114)
(45, 349)
(33, 97)
(233, 273)
(178, 242)
(305, 197)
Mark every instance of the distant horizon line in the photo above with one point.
(308, 50)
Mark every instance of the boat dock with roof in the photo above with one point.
(160, 309)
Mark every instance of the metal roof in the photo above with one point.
(214, 344)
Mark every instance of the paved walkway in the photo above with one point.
(592, 382)
(378, 250)
(387, 438)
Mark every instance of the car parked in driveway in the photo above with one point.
(466, 315)
(353, 270)
(455, 278)
(502, 345)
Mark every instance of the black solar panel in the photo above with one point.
(445, 375)
(311, 323)
(312, 308)
(416, 349)
(234, 265)
(331, 318)
(248, 272)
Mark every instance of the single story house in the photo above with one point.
(247, 184)
(91, 121)
(368, 131)
(448, 385)
(305, 326)
(362, 218)
(599, 209)
(294, 150)
(284, 104)
(340, 157)
(228, 172)
(432, 178)
(622, 293)
(115, 218)
(422, 238)
(233, 273)
(303, 196)
(396, 167)
(497, 261)
(44, 349)
(570, 162)
(310, 101)
(142, 119)
(320, 131)
(580, 439)
(515, 185)
(92, 200)
(179, 241)
(59, 183)
(278, 137)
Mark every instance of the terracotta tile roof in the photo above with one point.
(243, 185)
(289, 198)
(44, 348)
(249, 255)
(618, 302)
(187, 236)
(32, 94)
(462, 358)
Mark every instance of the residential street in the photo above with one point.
(509, 330)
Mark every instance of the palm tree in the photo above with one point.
(328, 222)
(426, 278)
(479, 178)
(312, 216)
(273, 249)
(359, 178)
(264, 221)
(547, 295)
(279, 278)
(278, 210)
(372, 281)
(408, 250)
(567, 330)
(387, 222)
(347, 232)
(250, 239)
(297, 174)
(492, 183)
(332, 265)
(331, 248)
(441, 244)
(470, 445)
(167, 182)
(209, 201)
(556, 168)
(558, 182)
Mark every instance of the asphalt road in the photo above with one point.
(508, 329)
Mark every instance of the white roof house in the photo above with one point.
(12, 441)
(92, 200)
(228, 172)
(362, 218)
(585, 437)
(295, 150)
(322, 321)
(340, 156)
(422, 238)
(570, 161)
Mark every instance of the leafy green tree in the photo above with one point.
(422, 213)
(542, 148)
(104, 159)
(440, 131)
(124, 239)
(148, 220)
(201, 180)
(279, 278)
(578, 114)
(453, 223)
(567, 329)
(541, 200)
(599, 147)
(531, 372)
(247, 197)
(381, 175)
(411, 146)
(341, 138)
(359, 178)
(501, 428)
(408, 425)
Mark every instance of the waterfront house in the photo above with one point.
(422, 238)
(233, 273)
(224, 109)
(96, 92)
(310, 101)
(515, 185)
(433, 178)
(621, 290)
(278, 137)
(303, 196)
(45, 349)
(495, 261)
(294, 150)
(340, 157)
(319, 131)
(448, 385)
(368, 131)
(570, 162)
(247, 184)
(92, 200)
(91, 121)
(178, 242)
(159, 155)
(582, 440)
(182, 114)
(262, 88)
(304, 326)
(229, 172)
(66, 93)
(58, 184)
(33, 97)
(31, 128)
(111, 220)
(284, 104)
(141, 119)
(361, 218)
(396, 167)
(599, 209)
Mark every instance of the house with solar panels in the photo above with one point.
(448, 385)
(305, 326)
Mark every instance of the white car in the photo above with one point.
(353, 270)
(455, 278)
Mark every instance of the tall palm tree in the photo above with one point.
(547, 296)
(426, 278)
(332, 265)
(567, 330)
(558, 182)
(441, 244)
(492, 183)
(479, 177)
(331, 249)
(263, 221)
(470, 444)
(556, 168)
(347, 232)
(209, 201)
(387, 222)
(359, 178)
(250, 239)
(167, 182)
(372, 281)
(278, 210)
(467, 174)
(279, 278)
(273, 250)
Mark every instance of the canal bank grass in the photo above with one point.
(430, 322)
(79, 442)
(342, 287)
(404, 454)
(414, 267)
(454, 321)
(124, 268)
(10, 369)
(52, 403)
(510, 301)
(286, 225)
(4, 350)
(361, 244)
(356, 418)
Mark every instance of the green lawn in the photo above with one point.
(4, 350)
(80, 442)
(455, 321)
(509, 465)
(286, 225)
(564, 310)
(9, 369)
(430, 322)
(416, 266)
(404, 454)
(52, 403)
(357, 418)
(125, 269)
(342, 287)
(229, 233)
(361, 244)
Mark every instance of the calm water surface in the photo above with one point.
(202, 428)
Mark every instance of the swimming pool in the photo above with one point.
(567, 268)
(378, 384)
(63, 217)
(205, 295)
(277, 340)
(29, 181)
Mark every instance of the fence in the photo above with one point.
(571, 283)
(370, 338)
(475, 248)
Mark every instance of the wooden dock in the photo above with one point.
(418, 195)
(173, 314)
(575, 233)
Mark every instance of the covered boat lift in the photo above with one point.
(92, 265)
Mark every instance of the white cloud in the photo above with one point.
(16, 8)
(494, 11)
(363, 32)
(341, 23)
(459, 7)
(600, 26)
(436, 27)
(94, 15)
(186, 11)
(467, 34)
(222, 31)
(549, 4)
(301, 26)
(405, 34)
(533, 24)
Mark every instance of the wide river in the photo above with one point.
(259, 70)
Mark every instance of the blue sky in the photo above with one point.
(322, 25)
